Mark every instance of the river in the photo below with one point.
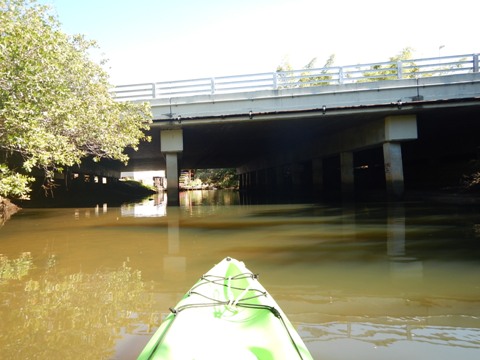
(363, 281)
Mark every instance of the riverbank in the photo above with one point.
(7, 209)
(113, 193)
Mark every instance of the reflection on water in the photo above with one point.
(57, 316)
(195, 202)
(152, 206)
(365, 281)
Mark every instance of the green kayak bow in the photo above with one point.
(227, 314)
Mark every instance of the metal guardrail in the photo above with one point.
(336, 75)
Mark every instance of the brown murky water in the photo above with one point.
(363, 282)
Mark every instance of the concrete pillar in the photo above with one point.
(172, 178)
(241, 181)
(280, 178)
(297, 171)
(263, 180)
(317, 175)
(347, 176)
(392, 155)
(171, 144)
(271, 180)
(300, 182)
(248, 180)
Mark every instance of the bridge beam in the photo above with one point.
(171, 145)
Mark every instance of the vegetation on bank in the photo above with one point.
(55, 103)
(210, 179)
(471, 180)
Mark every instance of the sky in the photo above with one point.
(163, 40)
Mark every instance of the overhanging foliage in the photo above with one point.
(55, 105)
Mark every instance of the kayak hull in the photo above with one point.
(227, 314)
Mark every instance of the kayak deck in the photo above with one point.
(227, 314)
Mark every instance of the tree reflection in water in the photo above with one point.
(74, 316)
(16, 268)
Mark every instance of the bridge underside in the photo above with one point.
(306, 151)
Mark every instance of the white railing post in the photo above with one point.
(212, 85)
(475, 63)
(154, 91)
(340, 75)
(399, 69)
(275, 81)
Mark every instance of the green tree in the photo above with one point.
(308, 76)
(381, 72)
(55, 104)
(319, 77)
(220, 178)
(285, 74)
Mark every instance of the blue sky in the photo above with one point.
(158, 40)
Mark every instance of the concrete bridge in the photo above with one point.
(314, 129)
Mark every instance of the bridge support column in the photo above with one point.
(297, 172)
(172, 179)
(317, 176)
(397, 129)
(347, 175)
(249, 180)
(392, 154)
(254, 179)
(171, 144)
(246, 181)
(280, 179)
(241, 181)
